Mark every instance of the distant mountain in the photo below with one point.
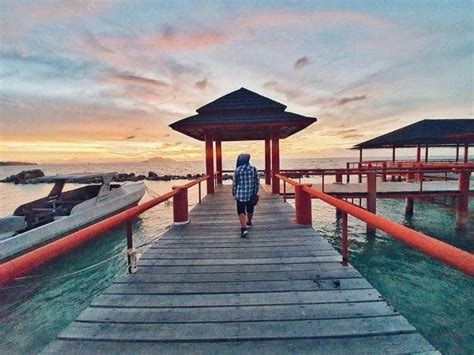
(158, 160)
(5, 163)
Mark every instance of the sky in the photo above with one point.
(93, 81)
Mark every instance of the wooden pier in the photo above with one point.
(202, 289)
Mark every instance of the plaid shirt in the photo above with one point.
(245, 183)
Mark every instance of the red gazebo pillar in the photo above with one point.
(209, 164)
(219, 161)
(275, 164)
(426, 153)
(268, 171)
(418, 153)
(466, 152)
(360, 164)
(457, 152)
(393, 153)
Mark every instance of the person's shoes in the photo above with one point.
(249, 224)
(243, 232)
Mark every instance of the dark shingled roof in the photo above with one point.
(434, 132)
(242, 115)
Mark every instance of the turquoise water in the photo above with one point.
(435, 299)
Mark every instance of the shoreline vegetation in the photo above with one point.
(37, 176)
(13, 163)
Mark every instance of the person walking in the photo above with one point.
(245, 185)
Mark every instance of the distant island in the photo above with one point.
(7, 163)
(159, 160)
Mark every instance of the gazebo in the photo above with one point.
(426, 133)
(240, 116)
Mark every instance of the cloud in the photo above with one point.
(134, 80)
(346, 100)
(25, 16)
(129, 137)
(201, 84)
(171, 38)
(301, 63)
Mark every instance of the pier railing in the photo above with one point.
(449, 255)
(24, 264)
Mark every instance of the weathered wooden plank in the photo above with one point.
(282, 275)
(235, 254)
(238, 286)
(237, 299)
(321, 328)
(177, 269)
(235, 314)
(282, 260)
(381, 344)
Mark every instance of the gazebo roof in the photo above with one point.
(242, 115)
(434, 132)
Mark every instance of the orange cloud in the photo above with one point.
(185, 41)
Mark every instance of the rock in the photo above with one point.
(24, 176)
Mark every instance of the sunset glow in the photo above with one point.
(86, 81)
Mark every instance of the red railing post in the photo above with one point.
(302, 206)
(180, 206)
(345, 240)
(338, 178)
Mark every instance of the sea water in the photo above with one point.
(436, 299)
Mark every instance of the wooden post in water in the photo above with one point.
(219, 161)
(275, 164)
(409, 206)
(302, 206)
(345, 240)
(268, 171)
(371, 198)
(462, 211)
(209, 164)
(131, 253)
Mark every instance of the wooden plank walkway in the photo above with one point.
(202, 289)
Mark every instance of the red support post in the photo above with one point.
(371, 198)
(462, 211)
(348, 178)
(360, 164)
(209, 164)
(180, 206)
(219, 161)
(393, 154)
(466, 152)
(426, 153)
(302, 206)
(275, 164)
(268, 170)
(345, 240)
(457, 152)
(339, 178)
(384, 171)
(418, 153)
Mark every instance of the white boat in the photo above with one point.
(62, 212)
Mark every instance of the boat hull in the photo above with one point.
(82, 215)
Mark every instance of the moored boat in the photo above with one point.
(63, 211)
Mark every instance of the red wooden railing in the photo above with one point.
(449, 255)
(24, 264)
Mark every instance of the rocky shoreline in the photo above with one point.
(36, 176)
